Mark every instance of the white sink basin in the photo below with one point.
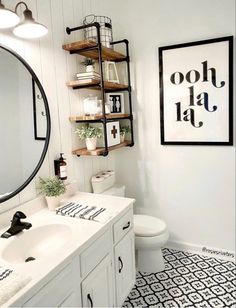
(36, 243)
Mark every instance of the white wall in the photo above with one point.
(54, 67)
(191, 187)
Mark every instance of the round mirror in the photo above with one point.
(24, 124)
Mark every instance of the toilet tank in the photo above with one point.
(104, 183)
(116, 190)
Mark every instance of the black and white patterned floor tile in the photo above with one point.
(189, 280)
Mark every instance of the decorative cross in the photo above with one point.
(114, 131)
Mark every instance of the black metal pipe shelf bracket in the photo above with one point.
(94, 24)
(129, 89)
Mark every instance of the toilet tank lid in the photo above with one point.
(145, 225)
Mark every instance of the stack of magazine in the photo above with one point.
(87, 77)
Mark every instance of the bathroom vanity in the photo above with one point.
(78, 263)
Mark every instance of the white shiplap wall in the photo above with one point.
(54, 67)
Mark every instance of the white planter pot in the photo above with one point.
(91, 143)
(89, 68)
(53, 202)
(122, 138)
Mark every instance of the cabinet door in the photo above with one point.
(97, 287)
(124, 267)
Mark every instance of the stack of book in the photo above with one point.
(88, 76)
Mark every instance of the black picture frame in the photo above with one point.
(116, 101)
(39, 113)
(196, 92)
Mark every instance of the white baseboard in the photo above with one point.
(202, 250)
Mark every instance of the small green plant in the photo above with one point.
(87, 131)
(51, 187)
(125, 129)
(88, 61)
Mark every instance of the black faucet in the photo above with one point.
(17, 225)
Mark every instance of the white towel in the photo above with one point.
(72, 209)
(10, 283)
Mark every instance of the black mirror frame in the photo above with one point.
(36, 80)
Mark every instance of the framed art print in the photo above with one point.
(40, 120)
(116, 101)
(196, 92)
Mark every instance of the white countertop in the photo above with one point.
(83, 232)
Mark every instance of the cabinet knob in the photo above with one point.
(127, 225)
(90, 300)
(121, 264)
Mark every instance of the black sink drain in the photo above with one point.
(30, 259)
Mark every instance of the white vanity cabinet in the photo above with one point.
(99, 274)
(110, 282)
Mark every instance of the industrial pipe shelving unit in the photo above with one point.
(95, 50)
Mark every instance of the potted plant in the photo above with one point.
(123, 130)
(89, 64)
(52, 188)
(90, 135)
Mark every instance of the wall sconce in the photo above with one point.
(28, 28)
(8, 18)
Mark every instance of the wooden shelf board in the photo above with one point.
(107, 53)
(95, 84)
(99, 151)
(98, 117)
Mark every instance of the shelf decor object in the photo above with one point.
(113, 133)
(111, 72)
(105, 29)
(196, 92)
(116, 101)
(90, 134)
(93, 49)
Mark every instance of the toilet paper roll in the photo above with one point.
(102, 181)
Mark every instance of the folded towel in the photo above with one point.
(99, 214)
(10, 283)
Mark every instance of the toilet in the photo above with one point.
(151, 234)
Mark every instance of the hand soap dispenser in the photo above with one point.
(60, 167)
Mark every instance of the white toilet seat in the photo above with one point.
(148, 226)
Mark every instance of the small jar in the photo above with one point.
(90, 105)
(99, 106)
(107, 108)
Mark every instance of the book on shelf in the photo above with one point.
(88, 75)
(87, 80)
